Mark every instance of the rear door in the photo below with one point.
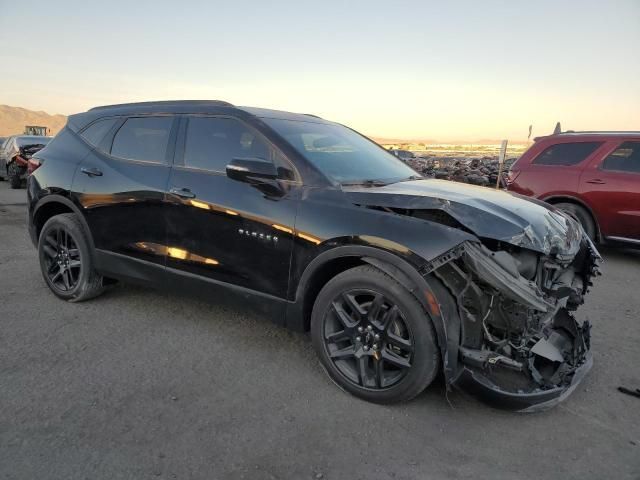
(611, 186)
(555, 169)
(223, 231)
(121, 186)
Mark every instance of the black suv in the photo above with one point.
(396, 277)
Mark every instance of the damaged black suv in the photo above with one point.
(397, 277)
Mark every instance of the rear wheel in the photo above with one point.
(581, 215)
(66, 261)
(373, 337)
(14, 172)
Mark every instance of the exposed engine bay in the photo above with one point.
(515, 305)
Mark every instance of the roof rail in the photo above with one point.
(219, 103)
(599, 132)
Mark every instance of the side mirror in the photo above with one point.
(251, 169)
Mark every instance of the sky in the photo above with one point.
(424, 70)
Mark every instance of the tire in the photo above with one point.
(381, 374)
(581, 215)
(13, 175)
(66, 259)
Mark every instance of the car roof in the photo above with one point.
(79, 120)
(164, 104)
(595, 134)
(282, 115)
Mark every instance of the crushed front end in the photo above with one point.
(508, 333)
(520, 346)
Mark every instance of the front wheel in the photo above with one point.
(581, 215)
(66, 261)
(373, 337)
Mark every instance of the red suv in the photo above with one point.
(593, 176)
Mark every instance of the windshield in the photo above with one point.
(340, 153)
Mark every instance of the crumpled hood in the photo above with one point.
(487, 212)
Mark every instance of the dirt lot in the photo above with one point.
(141, 384)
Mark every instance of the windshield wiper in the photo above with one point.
(379, 182)
(412, 177)
(365, 183)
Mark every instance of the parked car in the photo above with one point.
(593, 176)
(3, 145)
(3, 161)
(403, 155)
(397, 277)
(15, 157)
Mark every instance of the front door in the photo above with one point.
(224, 231)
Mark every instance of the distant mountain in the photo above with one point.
(14, 119)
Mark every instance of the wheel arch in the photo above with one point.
(332, 262)
(555, 199)
(52, 205)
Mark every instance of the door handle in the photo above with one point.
(182, 192)
(596, 181)
(91, 171)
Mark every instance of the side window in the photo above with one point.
(211, 143)
(566, 153)
(625, 158)
(143, 138)
(95, 132)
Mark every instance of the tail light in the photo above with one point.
(511, 176)
(33, 164)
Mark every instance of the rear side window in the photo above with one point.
(95, 132)
(143, 139)
(211, 143)
(625, 158)
(566, 153)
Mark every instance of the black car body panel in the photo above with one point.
(498, 274)
(486, 212)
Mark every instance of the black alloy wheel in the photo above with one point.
(367, 339)
(66, 259)
(373, 337)
(62, 259)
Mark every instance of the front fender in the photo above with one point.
(404, 266)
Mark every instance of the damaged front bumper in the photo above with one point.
(477, 384)
(520, 347)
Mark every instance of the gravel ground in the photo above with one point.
(143, 384)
